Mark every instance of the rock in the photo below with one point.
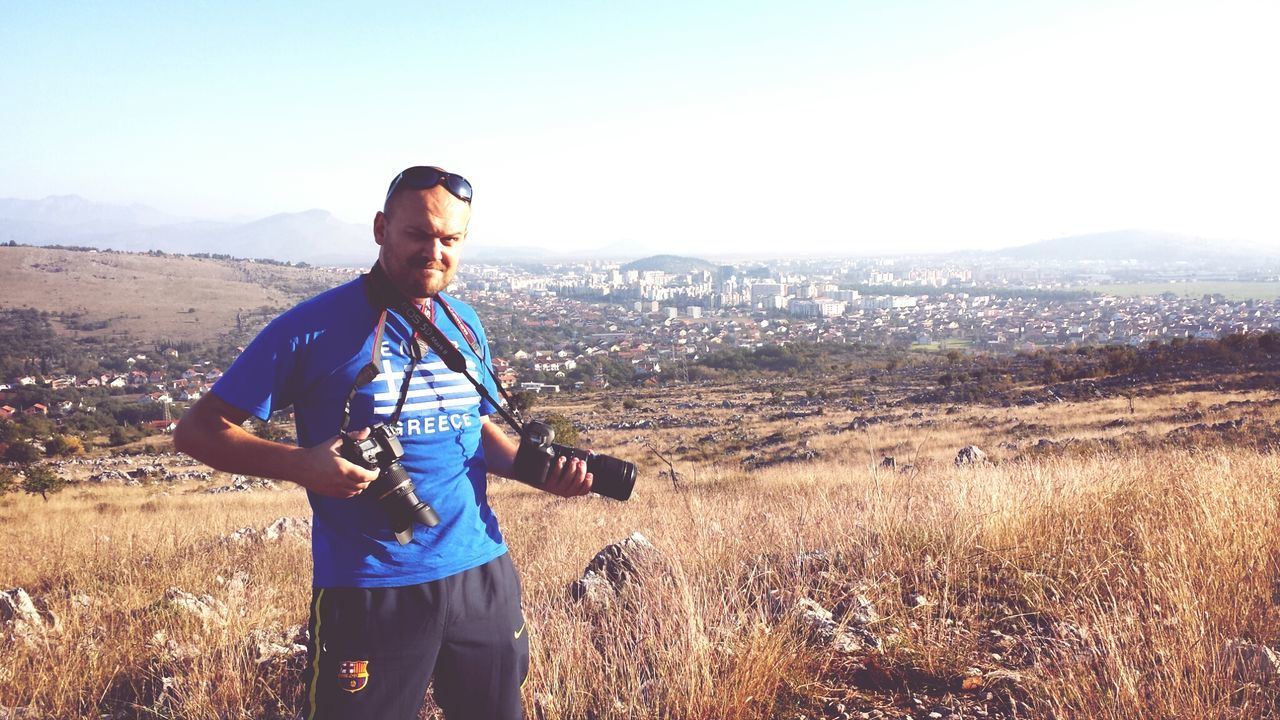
(846, 639)
(240, 483)
(1250, 661)
(615, 567)
(206, 608)
(272, 647)
(20, 617)
(970, 455)
(299, 528)
(171, 652)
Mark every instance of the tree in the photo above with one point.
(64, 445)
(22, 453)
(8, 481)
(42, 481)
(524, 400)
(566, 433)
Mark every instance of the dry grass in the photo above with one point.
(1113, 582)
(140, 296)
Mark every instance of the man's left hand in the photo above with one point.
(568, 477)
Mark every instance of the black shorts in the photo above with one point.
(373, 650)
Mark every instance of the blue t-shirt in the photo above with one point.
(308, 358)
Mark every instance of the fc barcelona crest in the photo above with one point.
(353, 674)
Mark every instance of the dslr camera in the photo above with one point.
(394, 490)
(611, 477)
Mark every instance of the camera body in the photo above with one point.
(393, 488)
(611, 477)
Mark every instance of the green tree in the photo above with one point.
(22, 453)
(524, 400)
(64, 445)
(8, 481)
(566, 433)
(41, 481)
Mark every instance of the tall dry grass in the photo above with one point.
(1112, 584)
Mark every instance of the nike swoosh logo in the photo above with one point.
(520, 632)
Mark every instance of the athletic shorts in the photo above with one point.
(373, 650)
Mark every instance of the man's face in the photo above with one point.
(421, 235)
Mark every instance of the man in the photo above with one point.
(387, 617)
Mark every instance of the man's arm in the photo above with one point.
(210, 432)
(566, 479)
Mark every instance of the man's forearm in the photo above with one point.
(230, 448)
(238, 451)
(499, 448)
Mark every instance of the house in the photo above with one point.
(37, 409)
(7, 412)
(166, 426)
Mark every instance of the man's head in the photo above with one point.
(421, 229)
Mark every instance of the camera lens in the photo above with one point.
(611, 477)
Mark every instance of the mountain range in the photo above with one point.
(319, 238)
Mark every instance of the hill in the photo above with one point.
(670, 264)
(1143, 246)
(150, 297)
(312, 236)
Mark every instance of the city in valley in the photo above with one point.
(566, 326)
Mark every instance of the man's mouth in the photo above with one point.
(425, 264)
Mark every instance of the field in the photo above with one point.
(1197, 289)
(152, 298)
(1111, 560)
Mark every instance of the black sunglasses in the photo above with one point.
(421, 177)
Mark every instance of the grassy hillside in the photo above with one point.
(1095, 568)
(149, 298)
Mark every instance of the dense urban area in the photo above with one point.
(569, 326)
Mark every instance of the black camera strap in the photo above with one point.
(384, 296)
(371, 371)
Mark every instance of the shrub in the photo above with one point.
(566, 433)
(64, 445)
(41, 481)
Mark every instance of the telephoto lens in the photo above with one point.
(611, 477)
(393, 487)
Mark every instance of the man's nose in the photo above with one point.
(436, 249)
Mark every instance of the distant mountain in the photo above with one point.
(1140, 245)
(312, 236)
(670, 264)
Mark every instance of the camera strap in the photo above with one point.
(384, 296)
(371, 371)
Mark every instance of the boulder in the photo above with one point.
(846, 638)
(615, 567)
(19, 616)
(970, 455)
(281, 528)
(206, 608)
(275, 647)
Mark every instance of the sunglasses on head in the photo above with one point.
(422, 177)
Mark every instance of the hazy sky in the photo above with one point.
(706, 126)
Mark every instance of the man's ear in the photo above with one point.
(379, 227)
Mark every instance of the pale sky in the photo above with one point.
(706, 127)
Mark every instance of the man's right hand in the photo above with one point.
(211, 432)
(326, 472)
